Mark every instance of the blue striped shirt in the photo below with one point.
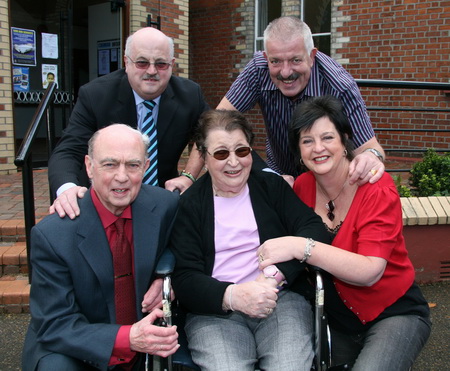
(253, 85)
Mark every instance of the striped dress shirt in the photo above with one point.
(253, 85)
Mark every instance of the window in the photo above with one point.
(317, 15)
(266, 12)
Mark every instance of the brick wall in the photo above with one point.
(174, 23)
(218, 45)
(6, 114)
(408, 40)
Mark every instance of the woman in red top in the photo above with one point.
(378, 317)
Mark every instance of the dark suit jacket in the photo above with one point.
(109, 99)
(72, 291)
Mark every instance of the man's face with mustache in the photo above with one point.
(289, 65)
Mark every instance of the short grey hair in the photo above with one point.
(289, 28)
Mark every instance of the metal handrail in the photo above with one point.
(397, 84)
(24, 160)
(418, 85)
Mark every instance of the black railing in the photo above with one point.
(416, 85)
(396, 84)
(24, 160)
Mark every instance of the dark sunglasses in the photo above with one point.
(223, 154)
(143, 65)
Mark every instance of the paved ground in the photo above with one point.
(434, 357)
(11, 195)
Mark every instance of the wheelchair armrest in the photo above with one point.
(165, 264)
(322, 345)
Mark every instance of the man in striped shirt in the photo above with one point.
(289, 71)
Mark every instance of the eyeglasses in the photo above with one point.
(143, 65)
(223, 154)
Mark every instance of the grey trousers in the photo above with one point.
(282, 341)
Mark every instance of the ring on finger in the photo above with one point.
(261, 258)
(373, 171)
(269, 310)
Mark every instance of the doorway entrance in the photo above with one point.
(70, 42)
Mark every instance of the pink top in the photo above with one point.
(236, 239)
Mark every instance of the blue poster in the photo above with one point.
(23, 45)
(21, 79)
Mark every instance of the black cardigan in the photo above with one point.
(278, 212)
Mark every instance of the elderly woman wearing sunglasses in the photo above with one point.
(237, 314)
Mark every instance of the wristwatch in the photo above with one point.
(271, 271)
(376, 153)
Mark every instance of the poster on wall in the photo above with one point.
(49, 45)
(23, 45)
(21, 78)
(103, 62)
(107, 56)
(49, 74)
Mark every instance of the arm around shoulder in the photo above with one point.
(225, 105)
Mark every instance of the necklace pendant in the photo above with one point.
(330, 207)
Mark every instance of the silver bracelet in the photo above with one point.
(230, 298)
(310, 243)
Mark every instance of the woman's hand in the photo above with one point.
(277, 250)
(256, 298)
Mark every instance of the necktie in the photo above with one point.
(149, 128)
(124, 293)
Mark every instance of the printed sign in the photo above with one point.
(23, 45)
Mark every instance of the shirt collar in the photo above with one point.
(139, 100)
(107, 217)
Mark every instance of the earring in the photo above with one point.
(301, 162)
(345, 153)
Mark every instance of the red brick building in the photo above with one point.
(391, 39)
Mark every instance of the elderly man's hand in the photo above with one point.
(67, 202)
(153, 297)
(145, 337)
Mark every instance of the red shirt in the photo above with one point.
(121, 352)
(373, 227)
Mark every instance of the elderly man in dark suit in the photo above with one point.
(90, 274)
(121, 96)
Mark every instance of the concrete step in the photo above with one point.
(12, 230)
(14, 294)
